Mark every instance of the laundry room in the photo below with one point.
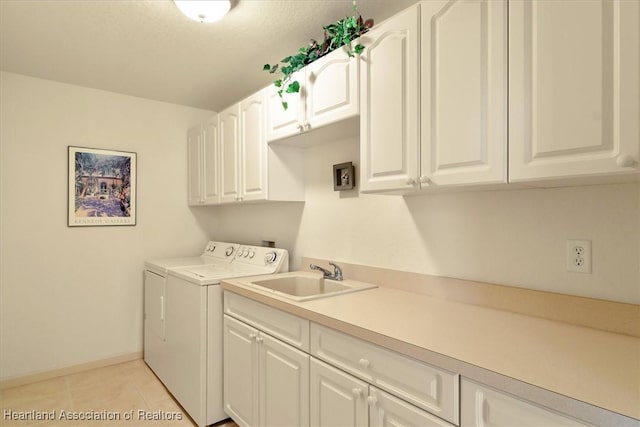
(72, 297)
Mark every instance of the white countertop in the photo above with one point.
(596, 367)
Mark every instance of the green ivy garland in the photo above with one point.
(341, 33)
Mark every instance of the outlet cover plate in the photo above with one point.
(578, 256)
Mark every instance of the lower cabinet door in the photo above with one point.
(386, 410)
(284, 384)
(240, 372)
(337, 398)
(483, 406)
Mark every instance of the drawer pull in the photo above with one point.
(364, 363)
(357, 392)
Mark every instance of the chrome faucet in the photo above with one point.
(337, 271)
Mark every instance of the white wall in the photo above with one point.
(74, 295)
(513, 237)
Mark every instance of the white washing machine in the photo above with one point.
(189, 362)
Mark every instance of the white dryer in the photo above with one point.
(191, 366)
(155, 288)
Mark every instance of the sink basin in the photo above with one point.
(306, 287)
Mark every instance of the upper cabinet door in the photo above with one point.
(389, 120)
(194, 166)
(210, 155)
(282, 123)
(573, 88)
(229, 154)
(253, 148)
(463, 92)
(331, 90)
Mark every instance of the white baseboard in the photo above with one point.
(42, 376)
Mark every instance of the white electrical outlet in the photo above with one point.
(578, 256)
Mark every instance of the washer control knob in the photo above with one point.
(252, 253)
(270, 257)
(229, 251)
(246, 253)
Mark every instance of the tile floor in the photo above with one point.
(125, 390)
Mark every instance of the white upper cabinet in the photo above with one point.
(203, 150)
(194, 165)
(230, 154)
(434, 110)
(211, 146)
(331, 91)
(573, 88)
(283, 123)
(463, 82)
(389, 121)
(328, 94)
(243, 155)
(253, 148)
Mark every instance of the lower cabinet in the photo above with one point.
(266, 381)
(483, 406)
(282, 370)
(341, 400)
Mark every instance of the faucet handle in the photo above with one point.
(337, 271)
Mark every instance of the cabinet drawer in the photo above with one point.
(284, 326)
(483, 406)
(432, 389)
(386, 410)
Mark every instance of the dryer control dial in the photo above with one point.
(229, 251)
(270, 257)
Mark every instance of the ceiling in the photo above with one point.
(148, 49)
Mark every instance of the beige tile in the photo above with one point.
(122, 389)
(9, 397)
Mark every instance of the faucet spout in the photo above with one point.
(336, 275)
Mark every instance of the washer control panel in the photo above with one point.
(272, 259)
(221, 250)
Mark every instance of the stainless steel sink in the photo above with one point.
(304, 286)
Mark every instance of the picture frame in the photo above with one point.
(101, 187)
(343, 176)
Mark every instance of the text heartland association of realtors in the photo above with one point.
(139, 415)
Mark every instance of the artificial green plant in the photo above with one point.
(341, 33)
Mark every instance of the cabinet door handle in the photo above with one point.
(300, 127)
(372, 400)
(625, 161)
(357, 392)
(411, 182)
(252, 336)
(364, 363)
(425, 179)
(306, 126)
(259, 339)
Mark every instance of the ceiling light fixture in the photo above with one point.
(204, 10)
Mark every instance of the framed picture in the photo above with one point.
(343, 177)
(102, 187)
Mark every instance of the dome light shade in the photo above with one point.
(204, 10)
